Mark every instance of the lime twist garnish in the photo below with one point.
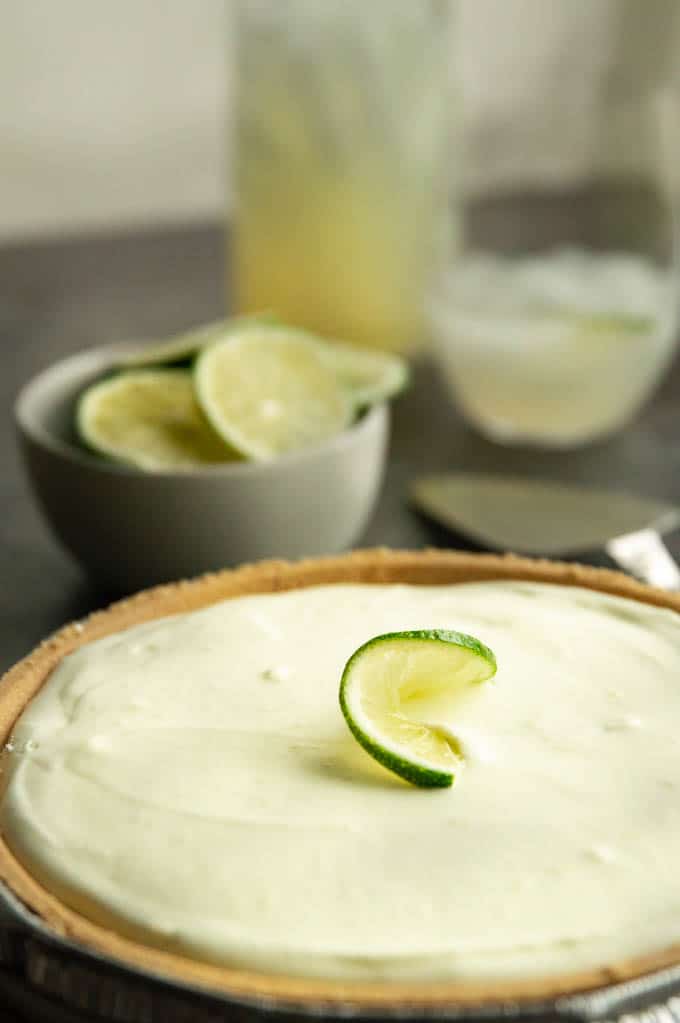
(393, 683)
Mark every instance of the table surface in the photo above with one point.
(60, 297)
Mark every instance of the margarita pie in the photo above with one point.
(183, 793)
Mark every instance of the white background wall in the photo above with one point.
(115, 113)
(111, 111)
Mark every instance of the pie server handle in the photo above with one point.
(644, 555)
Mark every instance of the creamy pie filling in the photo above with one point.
(191, 782)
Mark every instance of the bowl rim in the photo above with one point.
(100, 359)
(429, 567)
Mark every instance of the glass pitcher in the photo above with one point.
(341, 163)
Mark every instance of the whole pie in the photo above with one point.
(183, 793)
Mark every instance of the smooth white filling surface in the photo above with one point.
(192, 782)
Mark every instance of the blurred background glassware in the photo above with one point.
(341, 163)
(561, 314)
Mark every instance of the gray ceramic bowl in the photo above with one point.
(131, 528)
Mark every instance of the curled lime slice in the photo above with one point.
(268, 390)
(148, 418)
(395, 686)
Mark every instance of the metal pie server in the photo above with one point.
(528, 516)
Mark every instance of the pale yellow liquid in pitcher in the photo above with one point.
(341, 216)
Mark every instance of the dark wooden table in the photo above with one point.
(60, 297)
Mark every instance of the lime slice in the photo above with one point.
(606, 328)
(185, 346)
(370, 376)
(594, 323)
(148, 418)
(269, 390)
(395, 686)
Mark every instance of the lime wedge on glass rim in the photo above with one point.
(148, 418)
(268, 390)
(393, 684)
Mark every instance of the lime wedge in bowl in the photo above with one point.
(389, 688)
(182, 348)
(370, 376)
(148, 418)
(269, 390)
